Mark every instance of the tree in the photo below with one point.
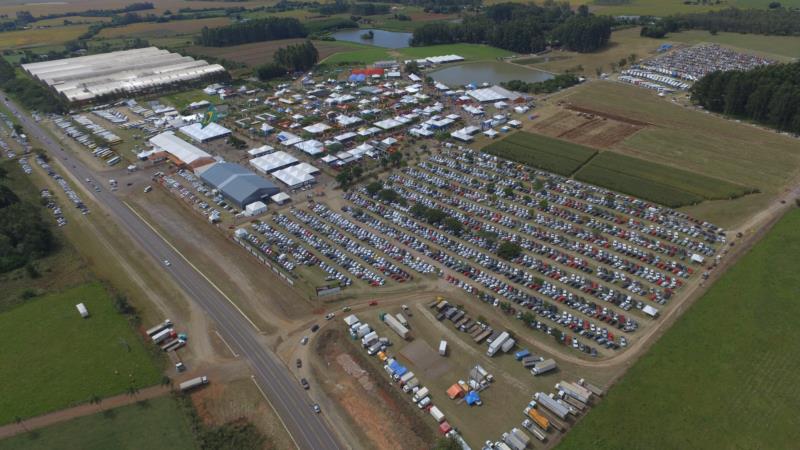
(95, 400)
(509, 250)
(508, 192)
(544, 204)
(344, 177)
(446, 443)
(453, 225)
(374, 187)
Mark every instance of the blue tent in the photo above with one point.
(472, 398)
(397, 368)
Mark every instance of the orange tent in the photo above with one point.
(455, 391)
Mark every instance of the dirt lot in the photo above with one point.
(259, 53)
(585, 126)
(376, 410)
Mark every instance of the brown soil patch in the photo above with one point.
(428, 361)
(372, 406)
(588, 127)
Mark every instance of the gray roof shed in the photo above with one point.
(238, 184)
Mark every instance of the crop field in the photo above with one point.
(258, 53)
(154, 29)
(561, 157)
(156, 423)
(698, 142)
(59, 359)
(723, 375)
(655, 182)
(40, 37)
(42, 8)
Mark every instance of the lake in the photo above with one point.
(492, 72)
(381, 38)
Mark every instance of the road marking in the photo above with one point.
(253, 379)
(235, 355)
(193, 266)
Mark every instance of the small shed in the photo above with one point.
(82, 310)
(455, 391)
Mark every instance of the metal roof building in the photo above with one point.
(180, 151)
(87, 77)
(237, 184)
(198, 133)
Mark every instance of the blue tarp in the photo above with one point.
(521, 354)
(472, 398)
(397, 368)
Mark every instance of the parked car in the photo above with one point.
(305, 384)
(314, 328)
(316, 408)
(304, 341)
(299, 363)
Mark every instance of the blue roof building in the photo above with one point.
(237, 184)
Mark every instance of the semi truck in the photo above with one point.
(497, 343)
(580, 407)
(555, 422)
(173, 345)
(363, 330)
(443, 348)
(369, 339)
(520, 355)
(537, 432)
(437, 414)
(402, 319)
(579, 393)
(521, 436)
(406, 377)
(410, 385)
(193, 383)
(530, 361)
(420, 394)
(351, 320)
(513, 441)
(537, 418)
(508, 345)
(543, 367)
(163, 335)
(165, 324)
(395, 325)
(552, 405)
(594, 389)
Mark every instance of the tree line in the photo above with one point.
(24, 235)
(775, 21)
(361, 9)
(28, 92)
(523, 28)
(294, 58)
(558, 82)
(266, 29)
(441, 6)
(769, 95)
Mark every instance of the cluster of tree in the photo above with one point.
(770, 95)
(24, 235)
(266, 29)
(321, 27)
(23, 18)
(344, 6)
(554, 84)
(775, 21)
(297, 57)
(28, 92)
(349, 175)
(508, 250)
(522, 28)
(442, 6)
(435, 216)
(656, 31)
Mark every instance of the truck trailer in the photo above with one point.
(594, 389)
(193, 383)
(537, 418)
(513, 441)
(552, 405)
(543, 367)
(163, 335)
(537, 432)
(497, 343)
(411, 384)
(369, 339)
(521, 436)
(437, 414)
(165, 324)
(579, 393)
(443, 348)
(420, 394)
(396, 326)
(508, 345)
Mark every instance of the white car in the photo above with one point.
(167, 263)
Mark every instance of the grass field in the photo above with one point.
(724, 375)
(655, 182)
(359, 54)
(258, 53)
(35, 38)
(691, 140)
(57, 359)
(546, 153)
(471, 52)
(156, 423)
(154, 29)
(181, 100)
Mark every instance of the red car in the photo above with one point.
(373, 303)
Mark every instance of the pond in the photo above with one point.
(492, 72)
(380, 38)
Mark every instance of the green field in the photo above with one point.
(157, 423)
(655, 182)
(774, 46)
(470, 52)
(361, 54)
(724, 376)
(546, 153)
(51, 358)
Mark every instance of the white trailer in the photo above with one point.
(537, 432)
(363, 330)
(443, 348)
(521, 436)
(575, 391)
(513, 441)
(551, 405)
(420, 394)
(162, 335)
(369, 339)
(402, 319)
(406, 377)
(350, 320)
(166, 324)
(410, 385)
(543, 367)
(82, 310)
(193, 383)
(508, 345)
(496, 343)
(437, 414)
(395, 325)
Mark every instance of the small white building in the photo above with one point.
(255, 208)
(82, 310)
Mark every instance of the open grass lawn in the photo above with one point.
(155, 424)
(51, 358)
(725, 375)
(471, 52)
(258, 53)
(358, 54)
(778, 47)
(544, 152)
(655, 182)
(692, 140)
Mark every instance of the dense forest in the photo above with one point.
(294, 58)
(361, 9)
(554, 84)
(778, 21)
(267, 29)
(24, 235)
(28, 92)
(522, 28)
(440, 6)
(770, 95)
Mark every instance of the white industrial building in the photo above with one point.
(273, 161)
(129, 71)
(296, 176)
(179, 151)
(198, 133)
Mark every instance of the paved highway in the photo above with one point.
(308, 429)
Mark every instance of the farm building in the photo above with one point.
(237, 184)
(179, 151)
(124, 72)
